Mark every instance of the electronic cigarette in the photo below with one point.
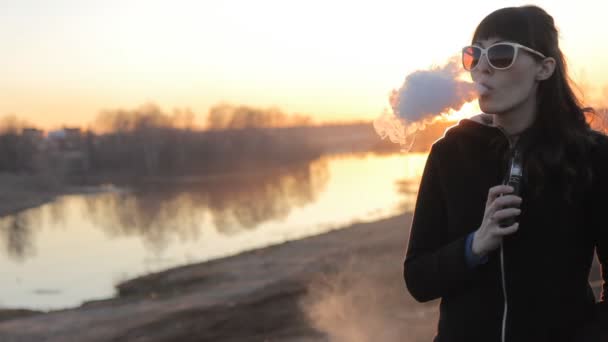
(514, 179)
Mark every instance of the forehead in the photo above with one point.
(489, 41)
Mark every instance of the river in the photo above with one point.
(78, 247)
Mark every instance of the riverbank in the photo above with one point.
(22, 192)
(344, 285)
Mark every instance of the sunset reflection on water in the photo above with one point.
(79, 246)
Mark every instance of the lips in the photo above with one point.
(486, 85)
(482, 88)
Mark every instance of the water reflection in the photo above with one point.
(151, 216)
(408, 188)
(233, 204)
(408, 185)
(17, 236)
(245, 203)
(166, 224)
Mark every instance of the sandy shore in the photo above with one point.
(345, 285)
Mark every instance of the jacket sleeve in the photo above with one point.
(472, 259)
(599, 204)
(433, 267)
(601, 249)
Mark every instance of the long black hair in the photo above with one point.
(559, 151)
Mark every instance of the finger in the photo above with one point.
(495, 191)
(505, 213)
(500, 204)
(507, 201)
(507, 230)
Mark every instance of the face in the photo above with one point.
(509, 88)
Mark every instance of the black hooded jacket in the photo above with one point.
(546, 262)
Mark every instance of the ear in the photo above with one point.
(545, 69)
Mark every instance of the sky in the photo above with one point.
(63, 62)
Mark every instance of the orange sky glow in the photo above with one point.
(66, 61)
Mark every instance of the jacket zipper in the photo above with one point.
(502, 265)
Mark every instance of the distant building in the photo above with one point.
(73, 139)
(32, 133)
(69, 147)
(34, 136)
(67, 139)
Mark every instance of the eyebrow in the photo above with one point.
(498, 41)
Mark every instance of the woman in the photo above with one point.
(527, 281)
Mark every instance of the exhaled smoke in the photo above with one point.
(364, 301)
(425, 95)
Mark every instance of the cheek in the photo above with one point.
(516, 86)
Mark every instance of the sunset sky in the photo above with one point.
(65, 61)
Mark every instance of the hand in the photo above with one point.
(490, 234)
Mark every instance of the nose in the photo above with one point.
(483, 65)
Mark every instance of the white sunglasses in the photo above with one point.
(500, 56)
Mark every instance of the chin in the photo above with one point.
(491, 108)
(487, 109)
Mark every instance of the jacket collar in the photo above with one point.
(484, 119)
(480, 128)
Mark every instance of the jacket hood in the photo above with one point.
(481, 126)
(478, 126)
(481, 132)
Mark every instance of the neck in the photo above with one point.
(518, 119)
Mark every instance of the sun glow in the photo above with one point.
(467, 110)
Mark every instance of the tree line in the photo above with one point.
(149, 142)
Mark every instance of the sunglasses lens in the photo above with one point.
(501, 55)
(470, 57)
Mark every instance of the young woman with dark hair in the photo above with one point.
(526, 281)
